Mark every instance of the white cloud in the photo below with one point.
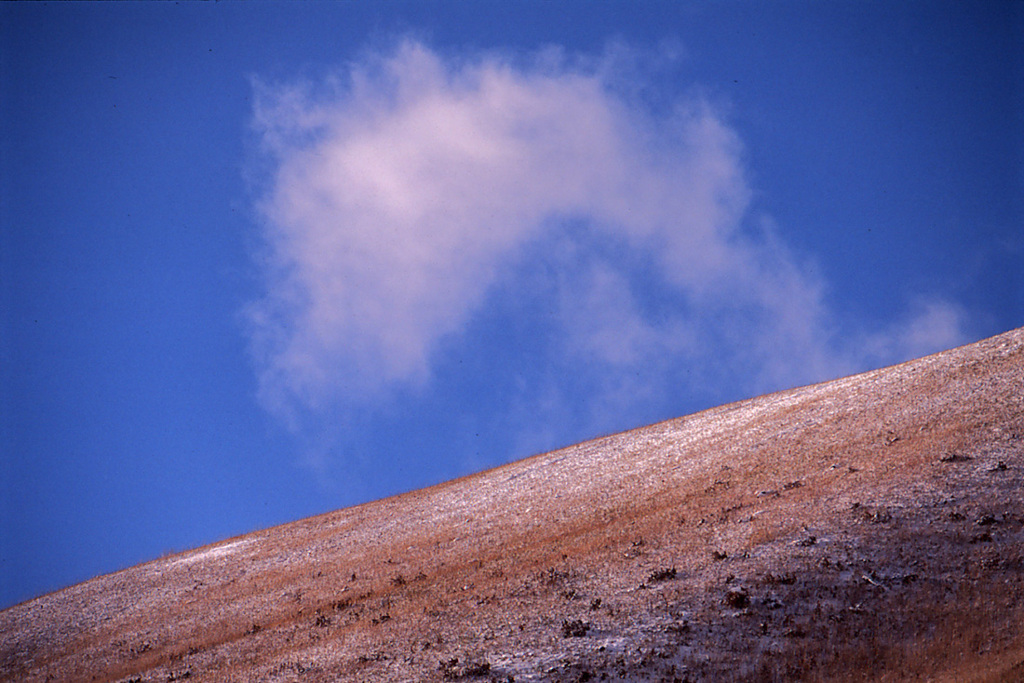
(931, 326)
(407, 188)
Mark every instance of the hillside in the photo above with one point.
(869, 528)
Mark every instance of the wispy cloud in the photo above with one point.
(933, 325)
(403, 191)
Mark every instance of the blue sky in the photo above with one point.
(263, 261)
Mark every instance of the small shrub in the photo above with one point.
(377, 656)
(877, 516)
(737, 598)
(575, 628)
(662, 575)
(451, 671)
(449, 668)
(783, 579)
(554, 577)
(476, 669)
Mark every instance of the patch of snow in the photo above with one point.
(211, 553)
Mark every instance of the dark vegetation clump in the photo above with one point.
(377, 656)
(662, 575)
(737, 598)
(574, 628)
(451, 671)
(780, 579)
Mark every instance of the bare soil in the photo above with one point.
(869, 529)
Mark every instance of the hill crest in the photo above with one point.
(869, 527)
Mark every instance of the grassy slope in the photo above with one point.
(870, 528)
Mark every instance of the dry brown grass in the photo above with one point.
(826, 533)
